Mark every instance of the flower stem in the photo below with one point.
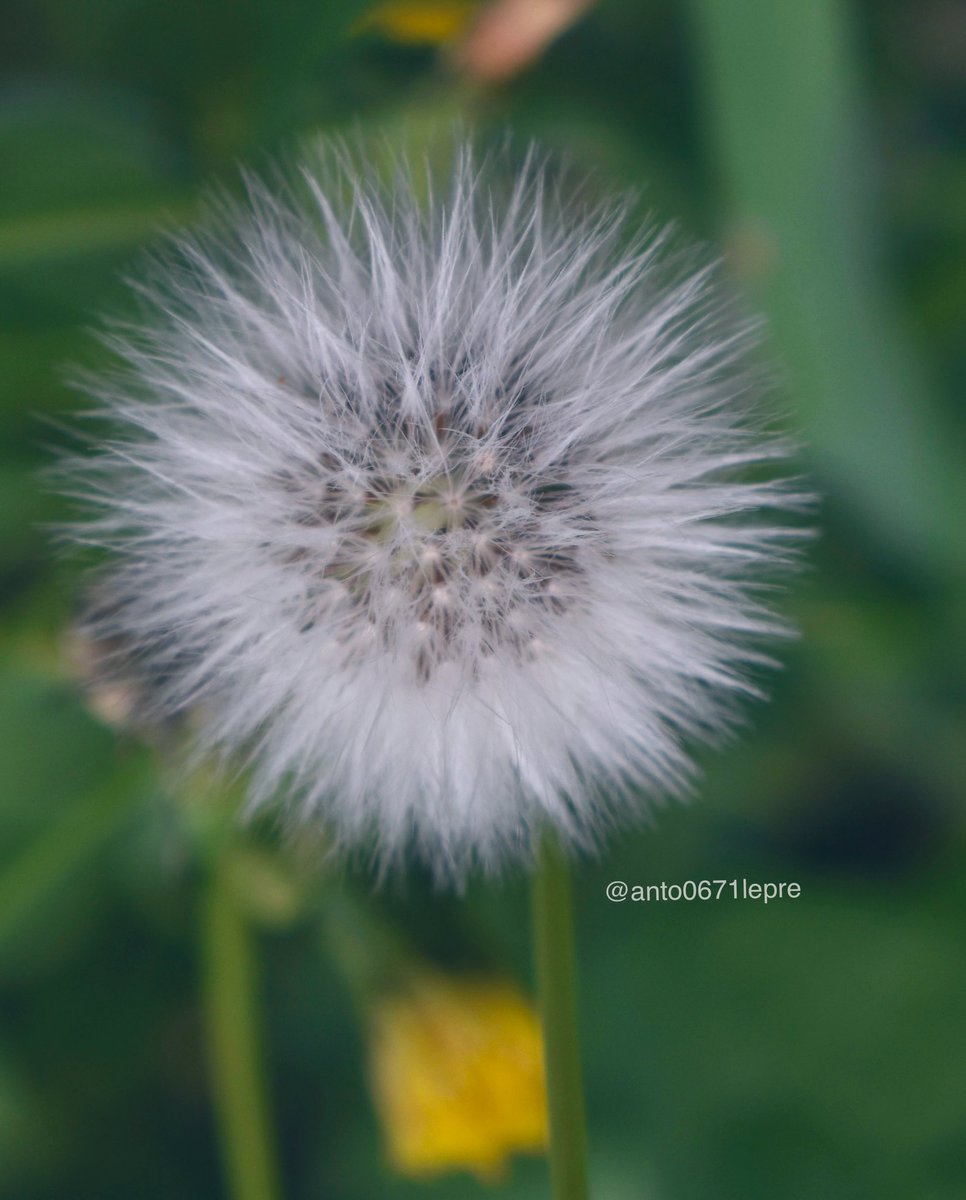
(234, 1039)
(553, 933)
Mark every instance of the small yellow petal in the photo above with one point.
(457, 1075)
(424, 23)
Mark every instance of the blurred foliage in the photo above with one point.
(806, 1049)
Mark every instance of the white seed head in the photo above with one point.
(437, 508)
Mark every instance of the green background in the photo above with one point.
(814, 1048)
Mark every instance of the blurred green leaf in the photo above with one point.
(48, 862)
(781, 95)
(35, 240)
(74, 147)
(84, 172)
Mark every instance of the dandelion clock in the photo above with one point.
(444, 504)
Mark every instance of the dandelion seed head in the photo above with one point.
(437, 508)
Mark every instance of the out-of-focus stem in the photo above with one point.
(234, 1039)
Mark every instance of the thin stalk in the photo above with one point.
(553, 936)
(234, 1037)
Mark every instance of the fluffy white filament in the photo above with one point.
(437, 508)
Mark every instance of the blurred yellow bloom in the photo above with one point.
(457, 1074)
(425, 23)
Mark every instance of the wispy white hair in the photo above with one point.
(442, 506)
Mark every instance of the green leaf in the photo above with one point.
(782, 102)
(54, 236)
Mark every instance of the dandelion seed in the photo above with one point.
(438, 511)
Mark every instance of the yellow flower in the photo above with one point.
(457, 1075)
(431, 22)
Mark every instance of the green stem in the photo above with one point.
(553, 934)
(235, 1045)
